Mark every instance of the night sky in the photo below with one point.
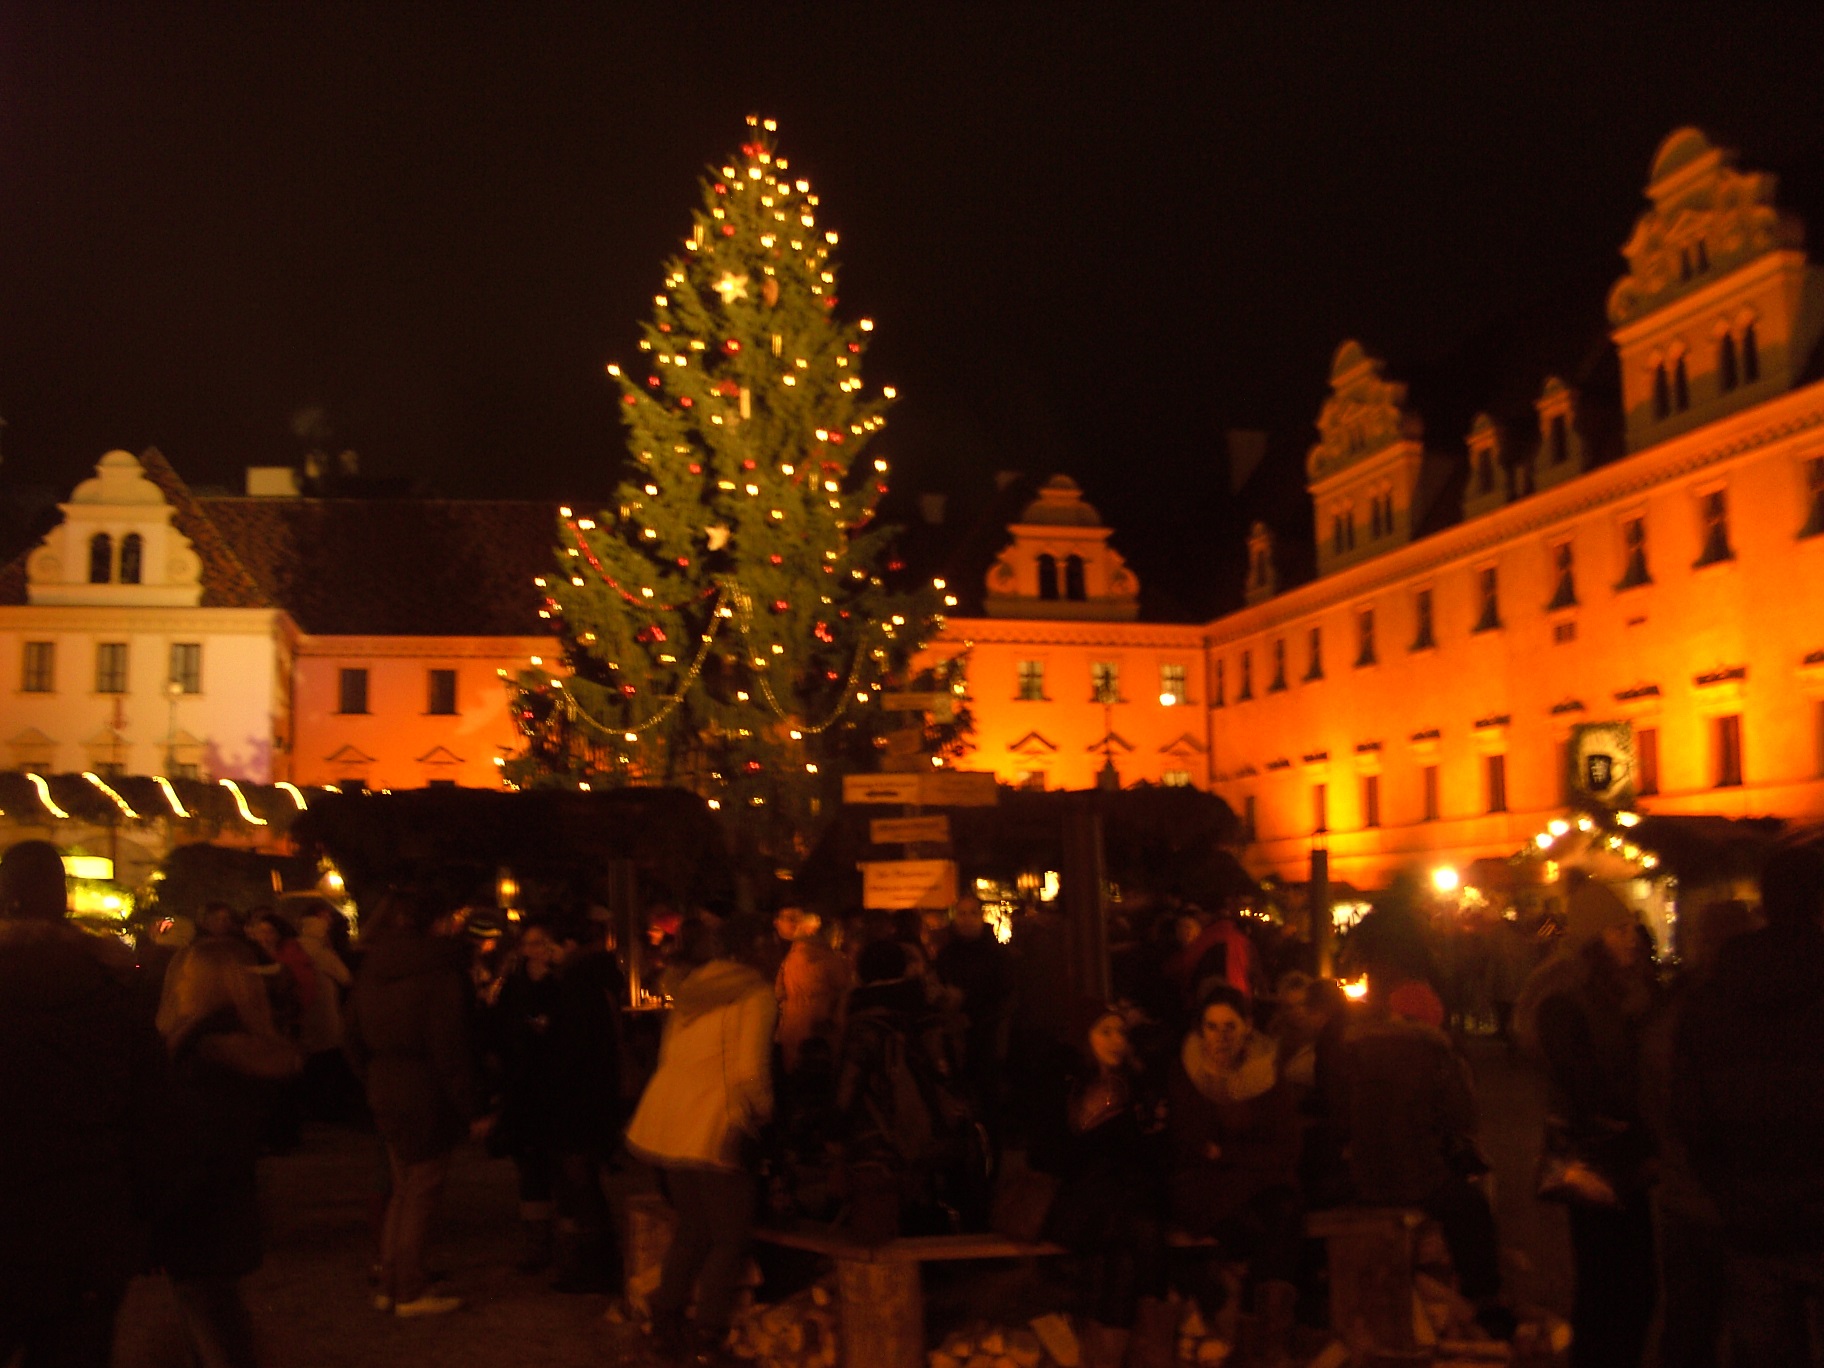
(1092, 243)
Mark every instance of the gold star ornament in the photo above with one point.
(731, 287)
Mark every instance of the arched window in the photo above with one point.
(1726, 373)
(1681, 386)
(1048, 577)
(101, 558)
(132, 548)
(1662, 391)
(1751, 355)
(1073, 579)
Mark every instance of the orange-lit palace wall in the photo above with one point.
(398, 742)
(1741, 638)
(1055, 740)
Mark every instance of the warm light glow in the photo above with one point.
(44, 795)
(1558, 826)
(240, 801)
(88, 867)
(1445, 879)
(1627, 819)
(164, 785)
(1543, 840)
(119, 802)
(1356, 989)
(1168, 699)
(297, 794)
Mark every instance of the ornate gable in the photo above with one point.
(1364, 414)
(116, 545)
(1707, 218)
(1060, 564)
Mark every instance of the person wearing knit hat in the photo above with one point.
(1583, 1010)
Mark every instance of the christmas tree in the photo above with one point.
(728, 626)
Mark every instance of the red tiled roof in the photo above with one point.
(395, 567)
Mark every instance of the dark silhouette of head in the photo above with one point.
(1792, 886)
(32, 886)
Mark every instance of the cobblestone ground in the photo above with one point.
(311, 1301)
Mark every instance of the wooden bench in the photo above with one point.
(880, 1302)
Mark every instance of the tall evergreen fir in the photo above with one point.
(727, 626)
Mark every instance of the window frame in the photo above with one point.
(434, 675)
(38, 667)
(189, 676)
(1425, 619)
(345, 677)
(1105, 682)
(113, 665)
(1029, 681)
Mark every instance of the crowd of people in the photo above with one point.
(906, 1074)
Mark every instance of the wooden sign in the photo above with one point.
(887, 830)
(959, 788)
(942, 703)
(893, 885)
(881, 788)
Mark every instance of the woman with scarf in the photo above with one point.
(1232, 1130)
(711, 1093)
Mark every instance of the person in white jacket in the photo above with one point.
(712, 1092)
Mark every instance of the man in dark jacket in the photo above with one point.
(1748, 1099)
(408, 1038)
(81, 1072)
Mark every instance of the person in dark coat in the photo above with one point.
(980, 969)
(82, 1074)
(1097, 1136)
(227, 1060)
(408, 1039)
(523, 1022)
(1582, 1012)
(1748, 1101)
(590, 1113)
(1232, 1131)
(1692, 1258)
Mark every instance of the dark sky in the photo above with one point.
(1093, 243)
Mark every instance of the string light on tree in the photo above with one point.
(750, 496)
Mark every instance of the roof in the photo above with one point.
(395, 567)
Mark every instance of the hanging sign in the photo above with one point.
(881, 788)
(893, 885)
(1602, 762)
(888, 830)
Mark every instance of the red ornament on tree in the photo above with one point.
(728, 230)
(777, 560)
(685, 401)
(780, 605)
(732, 346)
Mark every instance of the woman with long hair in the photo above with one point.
(226, 1056)
(1097, 1138)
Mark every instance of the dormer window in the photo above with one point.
(1423, 637)
(1634, 552)
(132, 557)
(1073, 579)
(1681, 386)
(1727, 376)
(1485, 470)
(101, 558)
(1662, 391)
(1751, 355)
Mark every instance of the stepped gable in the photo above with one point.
(397, 567)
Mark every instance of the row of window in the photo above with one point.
(1738, 362)
(1716, 547)
(38, 667)
(1104, 683)
(440, 691)
(1074, 589)
(1725, 772)
(38, 674)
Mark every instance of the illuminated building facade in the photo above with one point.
(1418, 699)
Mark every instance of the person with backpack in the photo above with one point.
(903, 1128)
